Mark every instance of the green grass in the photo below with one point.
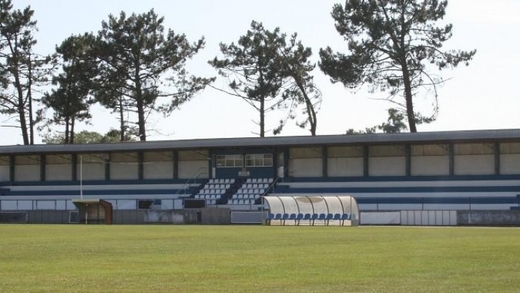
(89, 258)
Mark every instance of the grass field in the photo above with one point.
(80, 258)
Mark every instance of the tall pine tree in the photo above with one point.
(391, 46)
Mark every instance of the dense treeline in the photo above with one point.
(135, 67)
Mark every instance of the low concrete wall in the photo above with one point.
(215, 216)
(240, 217)
(163, 217)
(14, 217)
(155, 217)
(36, 217)
(380, 218)
(429, 218)
(223, 216)
(128, 216)
(488, 218)
(48, 217)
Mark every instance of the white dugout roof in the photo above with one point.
(317, 207)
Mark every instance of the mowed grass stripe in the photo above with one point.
(157, 258)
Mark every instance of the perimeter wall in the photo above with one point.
(222, 216)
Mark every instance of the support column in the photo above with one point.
(12, 163)
(365, 161)
(497, 158)
(408, 159)
(451, 150)
(107, 167)
(74, 167)
(140, 166)
(325, 161)
(175, 161)
(43, 163)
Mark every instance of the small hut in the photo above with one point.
(94, 211)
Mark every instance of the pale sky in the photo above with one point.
(484, 95)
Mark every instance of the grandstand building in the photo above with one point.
(455, 170)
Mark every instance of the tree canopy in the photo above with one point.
(142, 68)
(71, 101)
(20, 68)
(87, 137)
(135, 67)
(392, 46)
(301, 89)
(270, 72)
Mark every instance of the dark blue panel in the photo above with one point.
(254, 172)
(94, 192)
(105, 182)
(424, 189)
(403, 178)
(437, 200)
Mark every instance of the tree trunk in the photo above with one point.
(30, 102)
(406, 75)
(313, 121)
(67, 139)
(23, 122)
(141, 120)
(262, 117)
(121, 120)
(409, 99)
(72, 124)
(310, 108)
(140, 109)
(21, 102)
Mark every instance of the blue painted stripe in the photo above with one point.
(423, 189)
(402, 178)
(103, 182)
(438, 200)
(92, 192)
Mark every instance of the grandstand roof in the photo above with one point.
(276, 141)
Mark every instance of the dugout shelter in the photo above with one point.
(94, 211)
(323, 210)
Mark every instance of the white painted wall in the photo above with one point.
(124, 171)
(25, 205)
(192, 169)
(61, 205)
(455, 207)
(125, 205)
(4, 173)
(474, 164)
(9, 205)
(430, 165)
(509, 163)
(158, 170)
(387, 166)
(92, 171)
(393, 207)
(45, 205)
(312, 167)
(167, 204)
(27, 173)
(343, 167)
(58, 172)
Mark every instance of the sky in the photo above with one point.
(484, 95)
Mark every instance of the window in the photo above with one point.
(259, 160)
(5, 161)
(251, 160)
(229, 161)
